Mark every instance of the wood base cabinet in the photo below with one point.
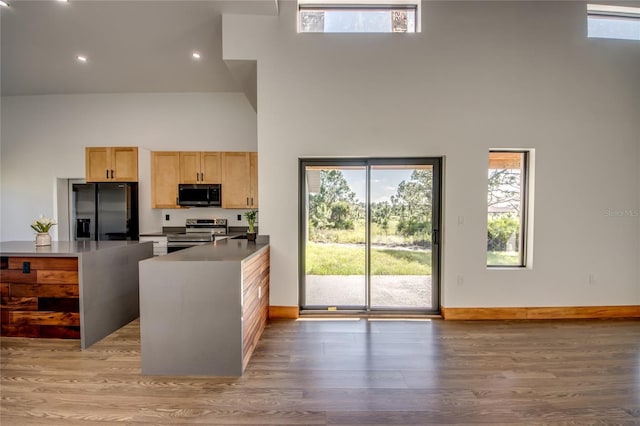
(255, 290)
(40, 297)
(72, 289)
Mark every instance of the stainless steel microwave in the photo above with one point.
(200, 195)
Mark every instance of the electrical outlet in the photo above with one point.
(239, 217)
(26, 267)
(167, 217)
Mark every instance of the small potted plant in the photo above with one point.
(251, 216)
(42, 227)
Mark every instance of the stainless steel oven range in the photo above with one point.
(198, 232)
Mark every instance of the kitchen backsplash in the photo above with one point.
(177, 217)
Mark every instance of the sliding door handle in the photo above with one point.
(435, 237)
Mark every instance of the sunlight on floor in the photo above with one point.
(329, 319)
(365, 319)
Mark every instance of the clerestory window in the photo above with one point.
(617, 22)
(370, 16)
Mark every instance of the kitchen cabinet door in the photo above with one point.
(111, 164)
(210, 167)
(165, 177)
(96, 164)
(190, 167)
(200, 167)
(253, 199)
(124, 163)
(236, 180)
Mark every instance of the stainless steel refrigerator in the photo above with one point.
(104, 211)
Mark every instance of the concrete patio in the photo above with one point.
(393, 291)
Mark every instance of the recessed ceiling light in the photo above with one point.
(81, 58)
(4, 3)
(62, 1)
(195, 55)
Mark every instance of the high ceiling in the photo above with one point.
(131, 46)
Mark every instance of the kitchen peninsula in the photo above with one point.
(70, 289)
(203, 309)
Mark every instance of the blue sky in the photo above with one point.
(384, 183)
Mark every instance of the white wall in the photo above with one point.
(43, 139)
(481, 75)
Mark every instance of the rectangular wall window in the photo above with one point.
(371, 16)
(617, 22)
(507, 208)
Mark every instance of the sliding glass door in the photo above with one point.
(335, 235)
(369, 234)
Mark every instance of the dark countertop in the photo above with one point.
(221, 250)
(166, 230)
(59, 248)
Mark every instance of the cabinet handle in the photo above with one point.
(252, 201)
(111, 173)
(107, 176)
(247, 201)
(202, 177)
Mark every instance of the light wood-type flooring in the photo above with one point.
(345, 372)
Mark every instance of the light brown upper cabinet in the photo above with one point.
(165, 177)
(253, 157)
(200, 167)
(111, 164)
(239, 180)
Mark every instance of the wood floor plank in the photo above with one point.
(344, 373)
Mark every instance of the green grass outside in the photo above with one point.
(358, 233)
(506, 258)
(337, 259)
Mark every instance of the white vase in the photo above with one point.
(43, 239)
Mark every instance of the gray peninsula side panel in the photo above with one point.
(190, 317)
(109, 289)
